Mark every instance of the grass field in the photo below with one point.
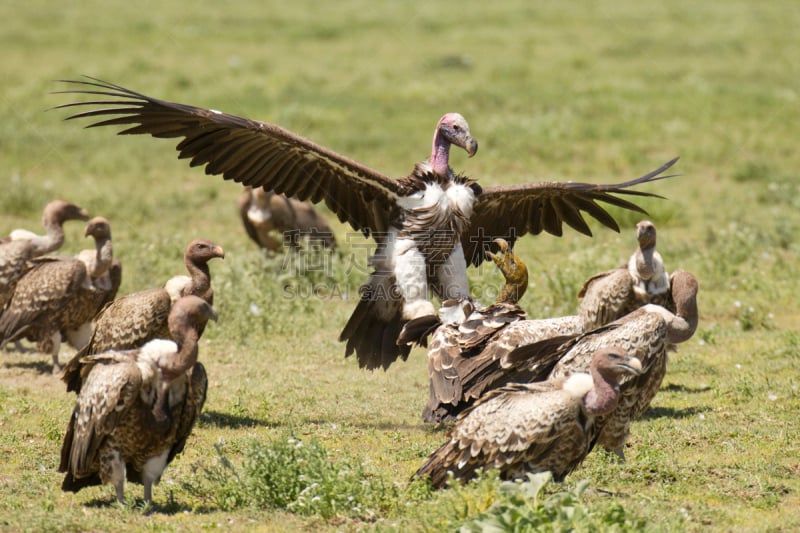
(586, 91)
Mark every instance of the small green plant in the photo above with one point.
(298, 476)
(525, 507)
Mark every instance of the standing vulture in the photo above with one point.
(428, 225)
(263, 212)
(21, 245)
(648, 333)
(59, 296)
(614, 293)
(137, 407)
(533, 427)
(131, 321)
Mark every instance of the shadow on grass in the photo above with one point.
(41, 367)
(669, 412)
(673, 387)
(226, 420)
(169, 508)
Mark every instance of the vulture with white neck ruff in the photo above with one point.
(533, 427)
(428, 225)
(59, 296)
(648, 333)
(133, 320)
(137, 407)
(22, 245)
(614, 293)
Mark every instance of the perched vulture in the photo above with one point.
(22, 245)
(614, 293)
(533, 427)
(137, 407)
(263, 212)
(58, 297)
(131, 321)
(647, 333)
(428, 225)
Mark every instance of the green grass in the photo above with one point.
(586, 91)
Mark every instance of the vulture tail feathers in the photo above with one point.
(417, 330)
(373, 328)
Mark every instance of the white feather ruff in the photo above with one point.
(579, 384)
(178, 286)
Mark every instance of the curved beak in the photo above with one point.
(630, 364)
(211, 313)
(471, 146)
(219, 252)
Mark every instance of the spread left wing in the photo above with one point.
(512, 211)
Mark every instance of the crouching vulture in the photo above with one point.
(137, 408)
(533, 427)
(467, 352)
(428, 225)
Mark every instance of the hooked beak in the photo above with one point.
(471, 146)
(631, 364)
(219, 252)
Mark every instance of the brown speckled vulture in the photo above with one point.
(648, 333)
(137, 407)
(428, 225)
(533, 427)
(614, 293)
(264, 212)
(467, 354)
(21, 245)
(58, 297)
(131, 321)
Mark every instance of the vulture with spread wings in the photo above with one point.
(428, 225)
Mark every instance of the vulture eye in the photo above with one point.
(456, 127)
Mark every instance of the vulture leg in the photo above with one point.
(80, 337)
(620, 453)
(152, 472)
(117, 476)
(52, 345)
(410, 271)
(452, 274)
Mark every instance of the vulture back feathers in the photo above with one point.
(532, 427)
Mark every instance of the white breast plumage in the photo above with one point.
(258, 215)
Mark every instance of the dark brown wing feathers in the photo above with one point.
(514, 210)
(247, 151)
